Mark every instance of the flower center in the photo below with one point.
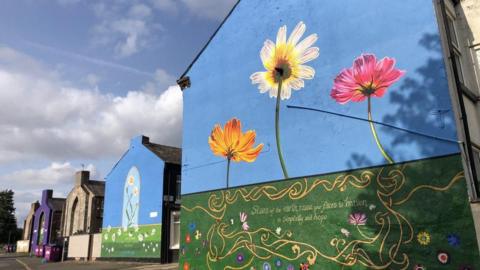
(368, 89)
(282, 71)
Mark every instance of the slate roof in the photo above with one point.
(56, 203)
(168, 154)
(96, 187)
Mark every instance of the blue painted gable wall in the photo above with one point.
(314, 142)
(151, 170)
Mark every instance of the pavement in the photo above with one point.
(23, 262)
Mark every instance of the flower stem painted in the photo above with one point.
(277, 130)
(374, 132)
(228, 172)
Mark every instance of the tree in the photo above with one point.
(8, 222)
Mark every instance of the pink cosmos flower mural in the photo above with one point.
(366, 78)
(357, 219)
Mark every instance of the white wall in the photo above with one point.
(78, 246)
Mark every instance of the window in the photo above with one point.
(175, 230)
(457, 55)
(476, 159)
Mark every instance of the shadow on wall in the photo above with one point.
(423, 105)
(420, 213)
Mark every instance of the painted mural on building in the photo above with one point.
(304, 88)
(405, 216)
(134, 206)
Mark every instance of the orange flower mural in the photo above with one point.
(232, 144)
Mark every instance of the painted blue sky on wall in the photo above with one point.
(415, 109)
(146, 170)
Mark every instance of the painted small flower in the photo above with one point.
(153, 231)
(419, 267)
(140, 237)
(278, 262)
(423, 238)
(278, 230)
(192, 226)
(119, 231)
(243, 219)
(188, 239)
(204, 243)
(443, 257)
(232, 144)
(367, 77)
(372, 207)
(131, 180)
(243, 216)
(198, 235)
(357, 218)
(304, 266)
(345, 232)
(105, 236)
(284, 61)
(290, 267)
(453, 240)
(113, 237)
(231, 221)
(186, 266)
(267, 266)
(240, 257)
(135, 191)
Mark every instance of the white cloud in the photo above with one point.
(92, 79)
(169, 6)
(210, 9)
(29, 183)
(42, 117)
(129, 28)
(140, 11)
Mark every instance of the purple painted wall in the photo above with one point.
(46, 208)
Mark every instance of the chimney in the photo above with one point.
(82, 177)
(139, 140)
(34, 206)
(46, 195)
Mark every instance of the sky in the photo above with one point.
(79, 79)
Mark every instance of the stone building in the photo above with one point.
(83, 213)
(47, 222)
(25, 244)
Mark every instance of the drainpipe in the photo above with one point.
(463, 114)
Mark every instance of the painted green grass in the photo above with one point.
(134, 242)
